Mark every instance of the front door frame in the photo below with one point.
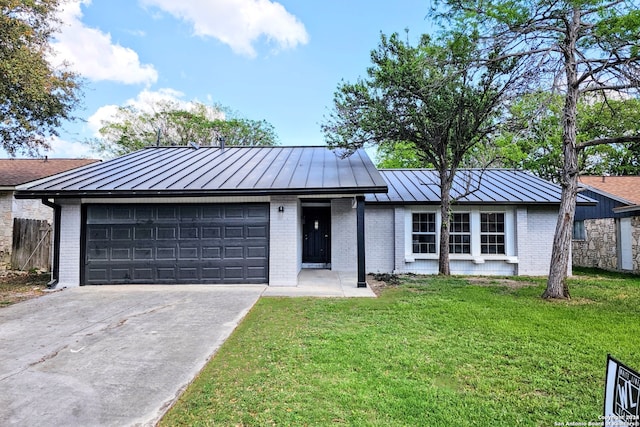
(317, 240)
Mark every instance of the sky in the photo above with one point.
(279, 61)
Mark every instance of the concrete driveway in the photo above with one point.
(110, 356)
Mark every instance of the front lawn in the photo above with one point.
(431, 352)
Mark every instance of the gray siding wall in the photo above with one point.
(379, 239)
(344, 249)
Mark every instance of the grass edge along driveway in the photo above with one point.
(433, 351)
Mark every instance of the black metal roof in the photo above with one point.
(471, 186)
(185, 171)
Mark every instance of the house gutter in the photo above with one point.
(55, 269)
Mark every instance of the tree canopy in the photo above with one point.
(536, 142)
(575, 48)
(172, 123)
(35, 97)
(429, 98)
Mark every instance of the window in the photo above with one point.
(492, 233)
(424, 233)
(460, 234)
(579, 232)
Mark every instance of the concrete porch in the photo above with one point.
(322, 283)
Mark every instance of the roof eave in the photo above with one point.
(75, 194)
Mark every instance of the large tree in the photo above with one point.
(35, 96)
(429, 96)
(172, 123)
(572, 47)
(536, 145)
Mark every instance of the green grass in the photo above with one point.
(431, 352)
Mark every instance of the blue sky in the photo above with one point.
(278, 61)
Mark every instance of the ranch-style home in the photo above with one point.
(216, 215)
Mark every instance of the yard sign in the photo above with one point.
(622, 395)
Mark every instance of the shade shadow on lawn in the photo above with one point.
(433, 352)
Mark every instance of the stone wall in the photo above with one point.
(600, 247)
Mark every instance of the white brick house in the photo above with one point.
(262, 214)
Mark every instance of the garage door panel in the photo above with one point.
(211, 232)
(143, 233)
(187, 233)
(167, 233)
(223, 243)
(234, 232)
(166, 253)
(121, 233)
(120, 254)
(212, 252)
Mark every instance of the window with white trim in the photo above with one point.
(460, 233)
(424, 233)
(579, 232)
(492, 241)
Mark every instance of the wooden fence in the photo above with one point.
(31, 244)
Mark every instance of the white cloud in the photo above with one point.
(238, 23)
(92, 52)
(145, 101)
(61, 148)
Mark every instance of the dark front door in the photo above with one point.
(316, 233)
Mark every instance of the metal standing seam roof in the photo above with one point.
(184, 171)
(489, 186)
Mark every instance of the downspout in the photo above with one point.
(362, 275)
(55, 269)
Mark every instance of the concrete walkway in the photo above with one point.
(110, 356)
(322, 283)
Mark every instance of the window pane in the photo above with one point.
(424, 233)
(424, 244)
(579, 232)
(492, 233)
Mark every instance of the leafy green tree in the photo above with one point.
(428, 96)
(573, 47)
(399, 155)
(537, 144)
(35, 97)
(170, 123)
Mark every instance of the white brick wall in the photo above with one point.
(379, 239)
(344, 244)
(70, 226)
(284, 241)
(535, 228)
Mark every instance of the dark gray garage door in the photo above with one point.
(215, 243)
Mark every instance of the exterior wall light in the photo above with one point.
(280, 208)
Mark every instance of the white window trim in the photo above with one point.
(475, 256)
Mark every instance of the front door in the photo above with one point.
(316, 234)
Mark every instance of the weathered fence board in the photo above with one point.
(31, 244)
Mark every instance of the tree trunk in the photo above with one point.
(445, 215)
(560, 256)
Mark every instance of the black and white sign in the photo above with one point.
(622, 395)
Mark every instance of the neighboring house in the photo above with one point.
(261, 214)
(14, 172)
(607, 235)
